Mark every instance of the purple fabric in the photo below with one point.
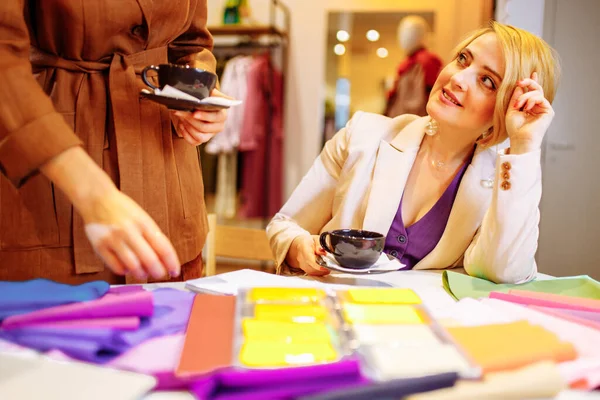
(589, 315)
(171, 313)
(281, 383)
(136, 304)
(23, 297)
(410, 245)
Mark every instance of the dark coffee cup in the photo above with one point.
(353, 248)
(194, 81)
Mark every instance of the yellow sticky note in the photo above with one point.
(278, 294)
(287, 332)
(267, 354)
(383, 296)
(382, 314)
(299, 313)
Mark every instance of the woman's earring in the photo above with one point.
(432, 127)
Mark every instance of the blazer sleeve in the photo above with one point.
(503, 250)
(31, 131)
(194, 46)
(309, 208)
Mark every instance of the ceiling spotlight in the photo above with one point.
(373, 35)
(342, 36)
(382, 52)
(339, 49)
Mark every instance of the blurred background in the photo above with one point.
(334, 57)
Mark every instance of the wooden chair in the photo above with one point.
(234, 242)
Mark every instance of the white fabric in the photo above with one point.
(359, 178)
(233, 84)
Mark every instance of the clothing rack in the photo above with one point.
(238, 39)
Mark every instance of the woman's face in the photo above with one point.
(464, 94)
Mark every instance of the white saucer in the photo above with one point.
(386, 263)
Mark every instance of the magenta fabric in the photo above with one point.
(261, 142)
(280, 383)
(410, 245)
(121, 323)
(170, 316)
(135, 304)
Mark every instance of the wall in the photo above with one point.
(305, 88)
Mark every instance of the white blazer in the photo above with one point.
(358, 181)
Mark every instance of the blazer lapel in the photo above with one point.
(392, 166)
(472, 201)
(146, 6)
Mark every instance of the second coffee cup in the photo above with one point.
(193, 81)
(353, 248)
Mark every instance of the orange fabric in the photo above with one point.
(208, 341)
(508, 346)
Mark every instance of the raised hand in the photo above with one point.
(528, 116)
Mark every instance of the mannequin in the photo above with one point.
(416, 74)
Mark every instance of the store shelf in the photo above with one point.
(247, 30)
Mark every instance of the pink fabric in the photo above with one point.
(158, 357)
(526, 300)
(121, 323)
(137, 303)
(263, 122)
(564, 313)
(559, 298)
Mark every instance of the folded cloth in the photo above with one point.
(280, 383)
(23, 297)
(122, 323)
(170, 314)
(513, 345)
(393, 389)
(591, 319)
(135, 304)
(460, 286)
(543, 301)
(571, 302)
(535, 381)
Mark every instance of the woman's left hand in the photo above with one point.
(528, 117)
(201, 125)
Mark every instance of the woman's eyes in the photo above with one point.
(463, 60)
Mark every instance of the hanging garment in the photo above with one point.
(261, 142)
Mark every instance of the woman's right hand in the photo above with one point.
(303, 254)
(120, 231)
(127, 238)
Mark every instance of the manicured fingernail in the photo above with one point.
(174, 273)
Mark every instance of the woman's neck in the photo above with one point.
(450, 146)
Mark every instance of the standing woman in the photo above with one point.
(97, 183)
(447, 189)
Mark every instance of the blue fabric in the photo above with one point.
(171, 313)
(23, 297)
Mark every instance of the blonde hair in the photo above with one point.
(524, 53)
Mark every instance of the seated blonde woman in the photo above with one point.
(459, 187)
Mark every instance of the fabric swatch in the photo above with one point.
(460, 286)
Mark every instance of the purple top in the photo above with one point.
(410, 245)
